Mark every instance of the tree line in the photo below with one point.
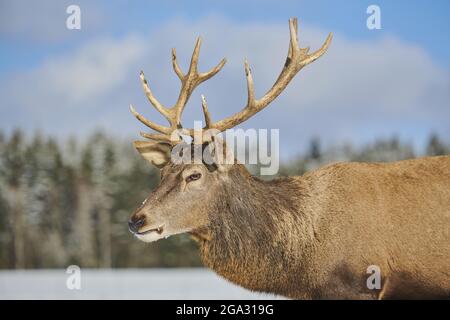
(68, 203)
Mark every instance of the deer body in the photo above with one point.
(315, 236)
(308, 237)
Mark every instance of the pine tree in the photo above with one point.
(435, 147)
(13, 163)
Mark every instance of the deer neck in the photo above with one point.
(258, 233)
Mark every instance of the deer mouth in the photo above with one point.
(158, 230)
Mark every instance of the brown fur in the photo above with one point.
(314, 236)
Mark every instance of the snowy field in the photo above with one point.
(122, 284)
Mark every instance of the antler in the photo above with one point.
(297, 58)
(189, 82)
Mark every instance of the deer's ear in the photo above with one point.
(157, 153)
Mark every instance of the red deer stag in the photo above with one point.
(307, 237)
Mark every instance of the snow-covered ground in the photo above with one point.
(122, 284)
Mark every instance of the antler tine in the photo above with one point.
(204, 75)
(156, 137)
(295, 25)
(149, 123)
(206, 112)
(296, 59)
(189, 82)
(250, 87)
(175, 65)
(293, 47)
(158, 106)
(317, 54)
(293, 30)
(194, 59)
(211, 73)
(192, 79)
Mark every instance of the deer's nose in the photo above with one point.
(135, 223)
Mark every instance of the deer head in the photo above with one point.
(187, 192)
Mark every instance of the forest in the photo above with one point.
(68, 202)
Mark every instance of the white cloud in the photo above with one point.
(359, 90)
(69, 92)
(85, 75)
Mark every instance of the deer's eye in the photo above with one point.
(193, 177)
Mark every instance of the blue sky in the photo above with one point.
(367, 73)
(425, 23)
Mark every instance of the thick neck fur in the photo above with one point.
(258, 233)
